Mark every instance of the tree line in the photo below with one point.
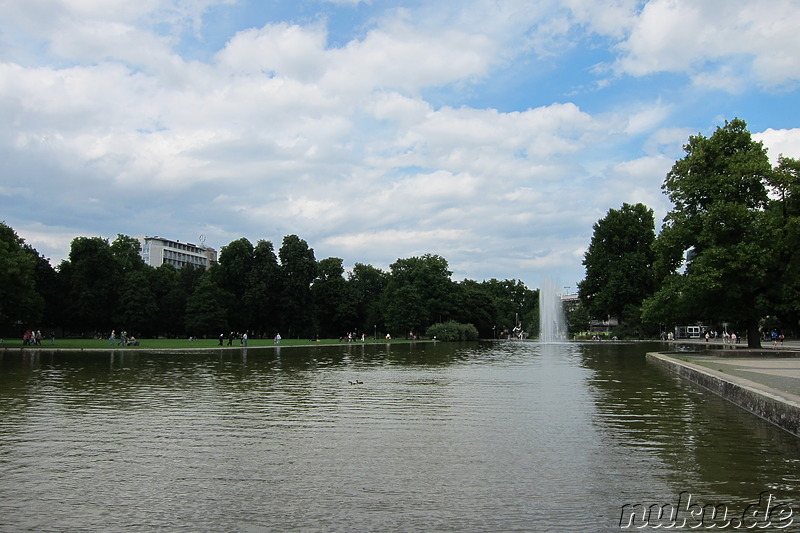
(727, 255)
(105, 285)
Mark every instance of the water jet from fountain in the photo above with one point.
(552, 324)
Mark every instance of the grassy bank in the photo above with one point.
(178, 344)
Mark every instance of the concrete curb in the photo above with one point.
(774, 406)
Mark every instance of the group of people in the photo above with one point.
(231, 336)
(123, 340)
(242, 338)
(727, 338)
(776, 338)
(352, 337)
(34, 338)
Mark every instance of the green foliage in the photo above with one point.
(171, 288)
(262, 293)
(619, 263)
(367, 284)
(232, 273)
(106, 285)
(578, 318)
(333, 299)
(719, 194)
(474, 304)
(125, 251)
(137, 303)
(782, 297)
(205, 309)
(512, 300)
(451, 331)
(91, 279)
(298, 270)
(18, 297)
(418, 292)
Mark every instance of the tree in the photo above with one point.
(90, 277)
(170, 298)
(232, 274)
(298, 270)
(126, 254)
(514, 303)
(475, 305)
(137, 304)
(334, 304)
(619, 263)
(783, 295)
(48, 287)
(19, 300)
(719, 194)
(419, 293)
(262, 294)
(206, 314)
(367, 284)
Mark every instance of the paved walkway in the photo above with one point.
(771, 367)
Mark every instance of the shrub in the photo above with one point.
(452, 331)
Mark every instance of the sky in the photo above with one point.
(493, 133)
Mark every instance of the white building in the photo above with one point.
(157, 251)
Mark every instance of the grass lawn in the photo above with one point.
(177, 344)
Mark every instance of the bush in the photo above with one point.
(452, 331)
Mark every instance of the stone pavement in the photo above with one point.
(770, 367)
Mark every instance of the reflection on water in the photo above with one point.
(474, 437)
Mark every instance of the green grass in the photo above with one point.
(177, 344)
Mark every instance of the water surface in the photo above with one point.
(508, 436)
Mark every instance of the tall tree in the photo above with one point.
(46, 281)
(298, 270)
(19, 300)
(476, 306)
(334, 303)
(137, 304)
(719, 193)
(91, 276)
(262, 294)
(126, 254)
(205, 309)
(367, 284)
(232, 274)
(418, 294)
(783, 295)
(170, 297)
(515, 303)
(619, 264)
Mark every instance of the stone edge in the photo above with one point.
(762, 401)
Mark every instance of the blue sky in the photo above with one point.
(494, 133)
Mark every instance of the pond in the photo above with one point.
(505, 436)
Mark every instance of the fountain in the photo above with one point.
(552, 324)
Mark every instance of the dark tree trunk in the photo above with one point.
(753, 335)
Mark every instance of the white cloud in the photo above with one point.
(288, 51)
(647, 118)
(715, 41)
(784, 142)
(613, 18)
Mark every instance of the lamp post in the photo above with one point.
(376, 331)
